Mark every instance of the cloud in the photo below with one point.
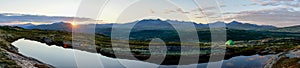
(13, 17)
(182, 11)
(151, 11)
(178, 10)
(277, 16)
(291, 3)
(206, 8)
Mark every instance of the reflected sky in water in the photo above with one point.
(65, 58)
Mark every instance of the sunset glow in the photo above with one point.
(73, 24)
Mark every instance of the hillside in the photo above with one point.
(204, 35)
(294, 29)
(247, 26)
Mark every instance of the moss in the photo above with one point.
(6, 62)
(287, 63)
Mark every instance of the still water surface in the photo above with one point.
(65, 58)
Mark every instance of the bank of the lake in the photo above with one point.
(10, 58)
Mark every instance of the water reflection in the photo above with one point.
(65, 58)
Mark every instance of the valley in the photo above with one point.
(247, 42)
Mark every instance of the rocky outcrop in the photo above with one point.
(27, 62)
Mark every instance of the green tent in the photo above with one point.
(229, 42)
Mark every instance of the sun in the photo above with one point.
(73, 24)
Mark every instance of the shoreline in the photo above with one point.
(25, 61)
(21, 60)
(169, 59)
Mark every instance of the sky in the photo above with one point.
(279, 13)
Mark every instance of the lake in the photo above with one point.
(65, 58)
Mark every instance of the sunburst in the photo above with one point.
(73, 24)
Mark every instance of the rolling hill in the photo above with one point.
(293, 29)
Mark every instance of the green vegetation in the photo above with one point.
(5, 62)
(204, 35)
(287, 63)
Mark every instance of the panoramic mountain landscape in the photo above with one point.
(147, 29)
(150, 34)
(262, 39)
(149, 24)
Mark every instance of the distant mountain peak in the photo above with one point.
(236, 22)
(28, 24)
(62, 23)
(294, 29)
(152, 24)
(248, 26)
(151, 20)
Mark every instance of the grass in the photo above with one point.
(5, 62)
(287, 63)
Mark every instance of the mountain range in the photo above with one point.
(145, 30)
(145, 24)
(293, 29)
(149, 24)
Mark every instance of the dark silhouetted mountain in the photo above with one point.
(148, 29)
(26, 26)
(294, 29)
(217, 24)
(151, 24)
(247, 26)
(55, 26)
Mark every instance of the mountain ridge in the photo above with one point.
(154, 23)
